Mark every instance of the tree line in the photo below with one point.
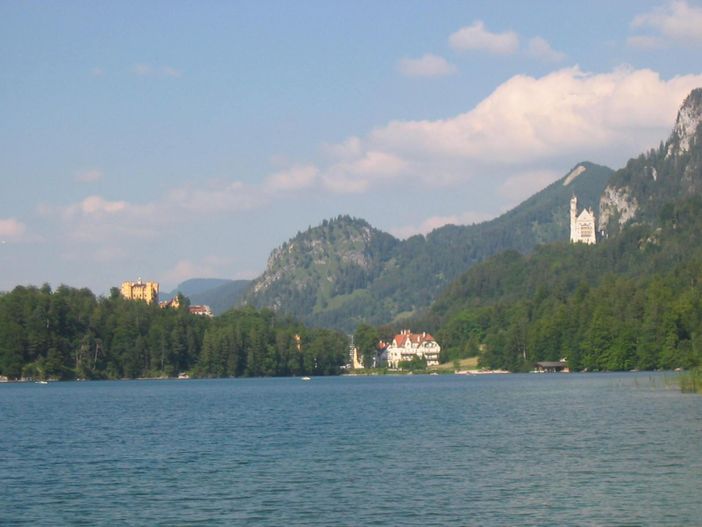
(630, 302)
(71, 333)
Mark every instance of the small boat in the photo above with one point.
(42, 382)
(306, 379)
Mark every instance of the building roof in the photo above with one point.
(586, 214)
(401, 339)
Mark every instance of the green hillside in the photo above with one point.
(345, 272)
(632, 301)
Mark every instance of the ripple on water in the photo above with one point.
(507, 450)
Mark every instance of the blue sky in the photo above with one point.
(171, 140)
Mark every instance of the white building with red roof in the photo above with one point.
(407, 345)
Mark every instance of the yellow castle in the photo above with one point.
(147, 291)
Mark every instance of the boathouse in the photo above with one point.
(548, 366)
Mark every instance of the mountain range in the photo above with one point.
(345, 272)
(632, 301)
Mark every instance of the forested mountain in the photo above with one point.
(345, 272)
(631, 301)
(70, 333)
(324, 269)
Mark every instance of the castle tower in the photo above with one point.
(582, 226)
(573, 217)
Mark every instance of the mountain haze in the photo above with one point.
(345, 272)
(194, 286)
(220, 294)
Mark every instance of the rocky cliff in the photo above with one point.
(638, 191)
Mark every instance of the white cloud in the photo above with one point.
(434, 222)
(295, 178)
(539, 48)
(525, 124)
(477, 38)
(11, 229)
(354, 175)
(529, 118)
(105, 222)
(523, 135)
(93, 206)
(98, 205)
(428, 65)
(676, 20)
(89, 176)
(348, 149)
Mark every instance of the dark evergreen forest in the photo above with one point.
(70, 333)
(630, 302)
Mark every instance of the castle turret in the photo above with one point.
(582, 227)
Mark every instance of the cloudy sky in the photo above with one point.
(179, 139)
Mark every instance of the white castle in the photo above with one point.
(582, 226)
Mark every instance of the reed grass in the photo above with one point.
(691, 381)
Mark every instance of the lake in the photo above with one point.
(578, 449)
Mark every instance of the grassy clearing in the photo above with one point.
(463, 364)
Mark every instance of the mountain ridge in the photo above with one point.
(631, 301)
(345, 272)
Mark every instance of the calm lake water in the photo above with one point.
(590, 449)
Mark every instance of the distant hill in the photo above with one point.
(345, 272)
(220, 294)
(324, 269)
(195, 286)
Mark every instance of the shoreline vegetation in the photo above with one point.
(688, 381)
(70, 334)
(691, 381)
